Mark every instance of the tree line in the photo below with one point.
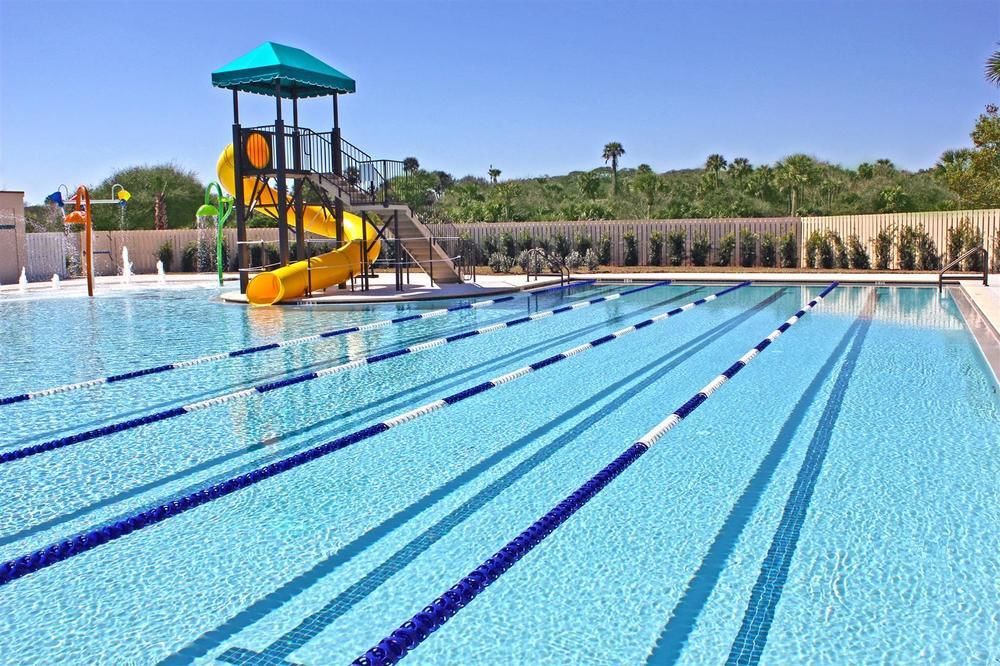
(167, 195)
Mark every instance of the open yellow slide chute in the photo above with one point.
(324, 270)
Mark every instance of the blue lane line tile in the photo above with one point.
(674, 636)
(749, 644)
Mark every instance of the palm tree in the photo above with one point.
(444, 181)
(160, 210)
(716, 163)
(494, 174)
(759, 182)
(410, 165)
(740, 168)
(866, 170)
(590, 184)
(951, 160)
(612, 151)
(792, 174)
(993, 68)
(885, 166)
(647, 184)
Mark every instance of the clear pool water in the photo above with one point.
(878, 398)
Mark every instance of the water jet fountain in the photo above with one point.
(217, 214)
(126, 267)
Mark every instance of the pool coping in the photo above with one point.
(983, 321)
(417, 293)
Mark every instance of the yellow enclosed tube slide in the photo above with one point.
(324, 270)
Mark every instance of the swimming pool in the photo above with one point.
(836, 501)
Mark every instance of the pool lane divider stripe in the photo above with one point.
(748, 646)
(81, 543)
(414, 631)
(266, 387)
(66, 388)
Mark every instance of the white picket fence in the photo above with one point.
(47, 252)
(935, 223)
(865, 227)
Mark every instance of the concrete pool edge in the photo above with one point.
(490, 284)
(982, 317)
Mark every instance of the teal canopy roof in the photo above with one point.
(298, 73)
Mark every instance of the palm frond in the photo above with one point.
(993, 68)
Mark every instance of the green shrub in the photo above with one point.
(655, 248)
(165, 253)
(506, 245)
(524, 241)
(189, 258)
(500, 262)
(768, 250)
(529, 261)
(271, 255)
(590, 258)
(748, 248)
(883, 241)
(701, 247)
(788, 250)
(972, 237)
(574, 260)
(676, 239)
(841, 257)
(487, 250)
(857, 253)
(561, 246)
(930, 260)
(813, 243)
(266, 255)
(727, 246)
(604, 250)
(907, 248)
(583, 243)
(826, 256)
(631, 254)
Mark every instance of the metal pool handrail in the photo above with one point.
(962, 257)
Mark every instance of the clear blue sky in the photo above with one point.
(532, 87)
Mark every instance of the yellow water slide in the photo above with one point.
(324, 270)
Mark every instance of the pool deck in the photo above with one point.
(980, 306)
(382, 289)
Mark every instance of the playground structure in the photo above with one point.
(82, 204)
(337, 190)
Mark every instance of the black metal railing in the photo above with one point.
(984, 257)
(316, 151)
(364, 179)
